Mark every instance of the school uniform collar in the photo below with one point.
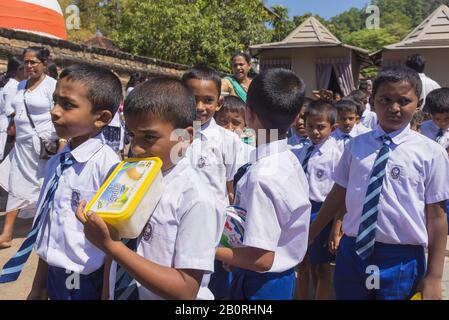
(204, 132)
(323, 146)
(436, 128)
(340, 134)
(398, 136)
(268, 149)
(87, 150)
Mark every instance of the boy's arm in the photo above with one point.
(430, 286)
(106, 273)
(336, 233)
(169, 283)
(230, 188)
(39, 288)
(334, 203)
(249, 258)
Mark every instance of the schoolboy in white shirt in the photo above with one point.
(85, 101)
(349, 125)
(216, 152)
(437, 129)
(319, 161)
(174, 255)
(273, 192)
(393, 184)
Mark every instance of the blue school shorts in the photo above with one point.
(220, 281)
(250, 285)
(392, 272)
(62, 286)
(318, 250)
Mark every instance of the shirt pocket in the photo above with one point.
(75, 198)
(159, 242)
(407, 178)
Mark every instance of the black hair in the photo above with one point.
(364, 86)
(166, 98)
(398, 74)
(3, 80)
(103, 86)
(52, 69)
(42, 53)
(233, 104)
(416, 62)
(322, 108)
(359, 95)
(244, 55)
(14, 64)
(203, 73)
(276, 96)
(437, 101)
(136, 78)
(348, 105)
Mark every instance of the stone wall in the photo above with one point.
(66, 53)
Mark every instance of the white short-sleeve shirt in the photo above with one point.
(61, 241)
(40, 103)
(357, 130)
(430, 130)
(8, 94)
(218, 153)
(274, 192)
(369, 119)
(183, 231)
(416, 174)
(321, 166)
(428, 85)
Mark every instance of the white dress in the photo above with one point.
(22, 172)
(7, 93)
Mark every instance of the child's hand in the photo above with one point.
(334, 238)
(96, 230)
(430, 288)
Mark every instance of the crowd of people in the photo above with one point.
(323, 182)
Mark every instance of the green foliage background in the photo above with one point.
(209, 31)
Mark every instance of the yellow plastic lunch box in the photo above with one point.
(129, 196)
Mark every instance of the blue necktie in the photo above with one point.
(367, 230)
(125, 286)
(14, 266)
(346, 138)
(439, 135)
(305, 163)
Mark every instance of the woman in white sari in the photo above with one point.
(22, 171)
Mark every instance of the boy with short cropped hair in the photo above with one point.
(349, 125)
(272, 190)
(85, 101)
(297, 135)
(174, 256)
(393, 184)
(231, 116)
(319, 161)
(437, 129)
(216, 152)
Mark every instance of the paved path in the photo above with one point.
(19, 290)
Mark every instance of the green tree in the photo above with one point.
(191, 32)
(282, 25)
(371, 39)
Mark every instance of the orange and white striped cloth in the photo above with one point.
(44, 17)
